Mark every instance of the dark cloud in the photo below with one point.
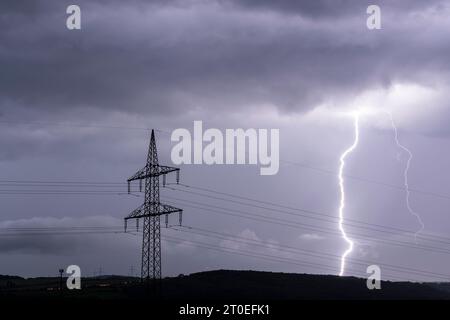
(162, 57)
(330, 8)
(313, 9)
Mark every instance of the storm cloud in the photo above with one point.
(160, 57)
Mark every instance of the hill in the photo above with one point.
(228, 285)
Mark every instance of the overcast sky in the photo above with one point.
(75, 105)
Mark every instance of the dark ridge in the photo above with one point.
(227, 284)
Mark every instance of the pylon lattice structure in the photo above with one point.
(151, 211)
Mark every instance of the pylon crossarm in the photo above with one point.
(166, 169)
(138, 175)
(166, 209)
(160, 170)
(136, 213)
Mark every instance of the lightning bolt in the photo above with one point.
(405, 177)
(342, 189)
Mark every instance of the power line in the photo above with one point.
(98, 230)
(284, 220)
(288, 162)
(117, 185)
(352, 177)
(317, 228)
(375, 228)
(208, 246)
(323, 230)
(58, 228)
(264, 256)
(65, 193)
(225, 236)
(312, 213)
(114, 185)
(304, 226)
(60, 182)
(55, 233)
(111, 192)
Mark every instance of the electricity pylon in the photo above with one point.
(151, 211)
